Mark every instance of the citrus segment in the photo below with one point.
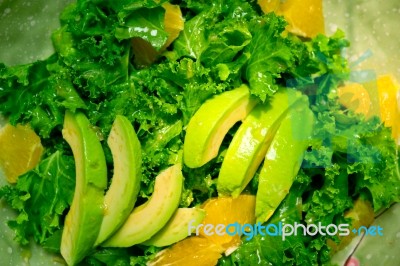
(389, 102)
(305, 17)
(205, 249)
(355, 97)
(194, 250)
(227, 210)
(20, 150)
(173, 22)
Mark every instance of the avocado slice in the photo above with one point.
(209, 125)
(250, 143)
(83, 221)
(125, 184)
(177, 227)
(146, 221)
(283, 159)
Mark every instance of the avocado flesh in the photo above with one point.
(83, 221)
(144, 222)
(250, 143)
(177, 227)
(283, 160)
(125, 184)
(209, 125)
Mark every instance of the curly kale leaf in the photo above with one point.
(41, 197)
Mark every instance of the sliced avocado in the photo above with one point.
(283, 159)
(181, 225)
(210, 124)
(144, 222)
(125, 184)
(83, 221)
(250, 143)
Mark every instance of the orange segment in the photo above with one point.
(361, 99)
(355, 97)
(194, 250)
(205, 250)
(305, 17)
(173, 22)
(228, 211)
(388, 89)
(145, 54)
(20, 150)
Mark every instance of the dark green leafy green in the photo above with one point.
(108, 256)
(270, 55)
(212, 40)
(321, 67)
(124, 7)
(30, 95)
(192, 41)
(226, 40)
(144, 23)
(41, 197)
(345, 145)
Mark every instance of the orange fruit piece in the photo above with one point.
(173, 22)
(355, 97)
(20, 150)
(389, 102)
(194, 250)
(205, 249)
(228, 210)
(145, 54)
(360, 99)
(305, 17)
(388, 87)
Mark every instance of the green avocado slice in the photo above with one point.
(145, 221)
(82, 223)
(250, 143)
(125, 184)
(209, 125)
(283, 160)
(180, 226)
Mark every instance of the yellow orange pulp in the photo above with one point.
(205, 249)
(173, 22)
(389, 102)
(194, 250)
(20, 150)
(305, 17)
(356, 97)
(227, 210)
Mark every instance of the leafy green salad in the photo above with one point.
(117, 71)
